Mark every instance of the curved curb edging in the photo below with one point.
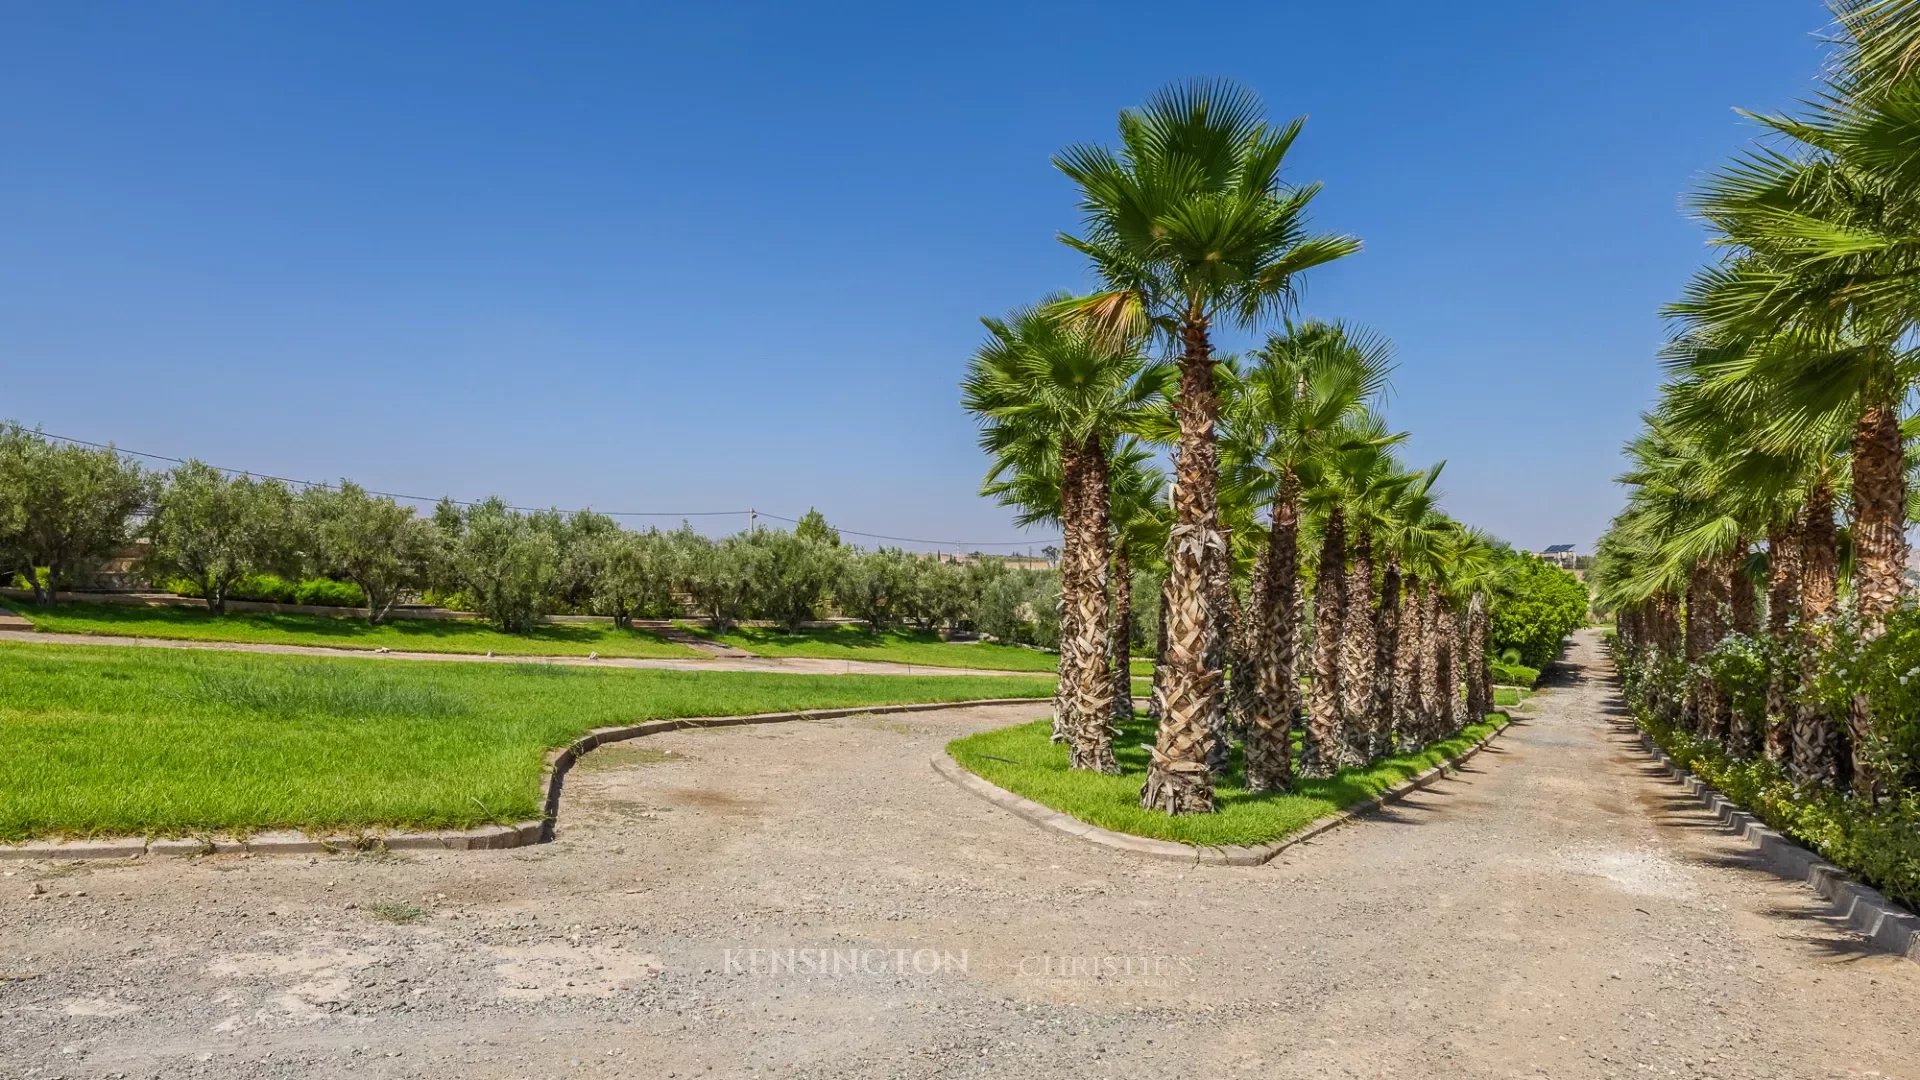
(1231, 855)
(1867, 912)
(485, 838)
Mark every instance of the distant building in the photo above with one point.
(1561, 555)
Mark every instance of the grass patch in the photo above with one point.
(103, 740)
(1022, 760)
(331, 631)
(924, 648)
(1504, 696)
(399, 912)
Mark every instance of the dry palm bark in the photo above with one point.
(1436, 666)
(1084, 630)
(1432, 641)
(1453, 702)
(1479, 674)
(1816, 737)
(1783, 602)
(1179, 780)
(1229, 714)
(1386, 637)
(1122, 638)
(1357, 647)
(1407, 667)
(1323, 750)
(1879, 514)
(1880, 553)
(1269, 751)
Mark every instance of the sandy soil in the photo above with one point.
(1557, 911)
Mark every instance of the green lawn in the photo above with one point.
(1504, 696)
(1022, 760)
(890, 646)
(104, 740)
(412, 635)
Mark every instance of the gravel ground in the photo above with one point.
(1558, 911)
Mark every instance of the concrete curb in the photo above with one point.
(1232, 855)
(485, 838)
(1873, 916)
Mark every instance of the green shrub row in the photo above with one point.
(1879, 843)
(1514, 674)
(274, 589)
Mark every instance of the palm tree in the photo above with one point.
(1416, 549)
(1295, 399)
(1401, 532)
(1367, 479)
(1189, 223)
(1052, 397)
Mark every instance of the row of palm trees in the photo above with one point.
(1189, 226)
(1776, 461)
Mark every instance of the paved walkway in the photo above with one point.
(792, 665)
(1558, 911)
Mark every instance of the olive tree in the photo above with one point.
(506, 565)
(788, 576)
(628, 573)
(372, 541)
(942, 594)
(214, 529)
(63, 508)
(714, 575)
(876, 587)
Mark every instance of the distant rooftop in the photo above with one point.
(1558, 549)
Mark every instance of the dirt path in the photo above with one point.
(1555, 912)
(791, 665)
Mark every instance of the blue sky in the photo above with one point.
(719, 256)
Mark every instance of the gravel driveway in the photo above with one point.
(1555, 912)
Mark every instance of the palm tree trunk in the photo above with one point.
(1154, 694)
(1816, 738)
(1243, 680)
(1719, 714)
(1323, 750)
(1879, 518)
(1122, 641)
(1084, 626)
(1479, 673)
(1408, 668)
(1179, 780)
(1698, 707)
(1386, 638)
(1879, 553)
(1434, 642)
(1783, 602)
(1269, 749)
(1357, 647)
(1227, 715)
(1453, 638)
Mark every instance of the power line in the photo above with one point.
(536, 509)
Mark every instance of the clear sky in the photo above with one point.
(705, 257)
